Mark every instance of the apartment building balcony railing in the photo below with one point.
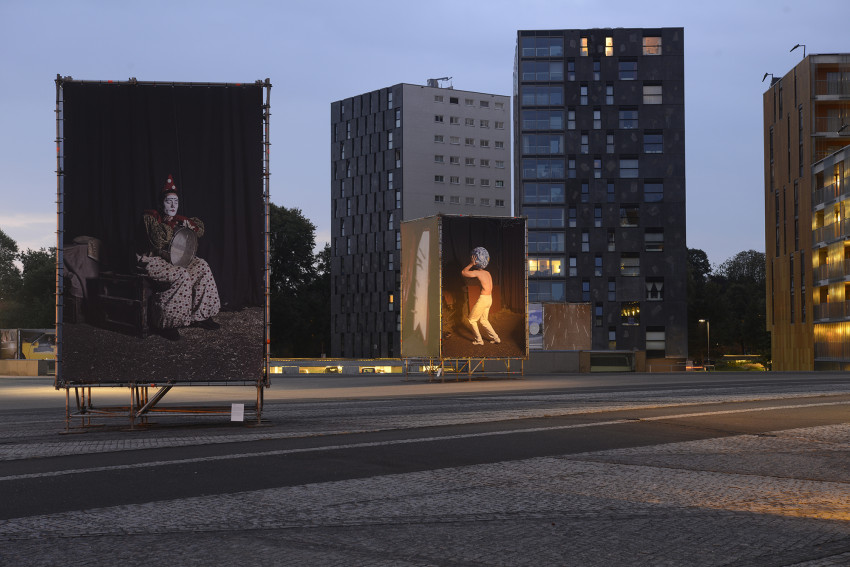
(829, 124)
(833, 350)
(833, 271)
(837, 311)
(832, 231)
(832, 88)
(831, 192)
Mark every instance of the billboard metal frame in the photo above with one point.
(145, 397)
(439, 366)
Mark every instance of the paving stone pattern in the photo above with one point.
(780, 499)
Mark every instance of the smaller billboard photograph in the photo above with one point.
(483, 287)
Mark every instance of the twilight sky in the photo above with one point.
(320, 51)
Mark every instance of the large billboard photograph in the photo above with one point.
(162, 233)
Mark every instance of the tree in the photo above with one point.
(300, 286)
(38, 290)
(732, 300)
(27, 298)
(10, 275)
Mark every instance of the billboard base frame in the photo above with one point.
(144, 404)
(472, 367)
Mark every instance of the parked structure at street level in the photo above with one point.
(807, 207)
(599, 150)
(400, 153)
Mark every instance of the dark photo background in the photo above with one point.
(123, 140)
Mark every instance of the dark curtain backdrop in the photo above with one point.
(123, 140)
(504, 239)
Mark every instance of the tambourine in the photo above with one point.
(182, 248)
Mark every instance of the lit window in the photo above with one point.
(609, 46)
(630, 313)
(652, 45)
(583, 51)
(544, 266)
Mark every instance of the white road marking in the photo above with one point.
(407, 441)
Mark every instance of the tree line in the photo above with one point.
(731, 296)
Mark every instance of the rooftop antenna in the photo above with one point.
(436, 82)
(800, 45)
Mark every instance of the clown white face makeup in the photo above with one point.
(170, 204)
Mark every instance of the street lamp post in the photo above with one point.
(707, 340)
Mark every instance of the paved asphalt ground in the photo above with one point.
(637, 469)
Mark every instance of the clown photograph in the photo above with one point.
(162, 216)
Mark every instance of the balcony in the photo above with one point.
(828, 124)
(828, 193)
(832, 311)
(836, 88)
(831, 232)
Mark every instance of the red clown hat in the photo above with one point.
(169, 186)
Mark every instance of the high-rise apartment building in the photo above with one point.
(401, 153)
(599, 149)
(807, 213)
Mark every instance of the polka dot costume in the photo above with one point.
(192, 295)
